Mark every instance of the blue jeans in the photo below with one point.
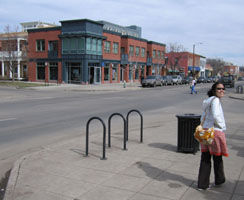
(193, 89)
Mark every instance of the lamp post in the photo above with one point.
(193, 60)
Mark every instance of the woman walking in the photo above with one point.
(214, 118)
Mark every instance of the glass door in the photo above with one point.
(97, 75)
(122, 74)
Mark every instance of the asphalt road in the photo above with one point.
(32, 119)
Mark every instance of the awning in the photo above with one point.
(190, 68)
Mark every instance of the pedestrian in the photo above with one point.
(214, 118)
(193, 84)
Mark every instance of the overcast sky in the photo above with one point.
(217, 24)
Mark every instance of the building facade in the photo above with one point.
(92, 52)
(13, 56)
(183, 63)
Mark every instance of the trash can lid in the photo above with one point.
(189, 115)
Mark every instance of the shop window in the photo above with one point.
(53, 71)
(115, 72)
(40, 71)
(106, 72)
(137, 72)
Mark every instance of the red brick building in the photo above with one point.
(231, 69)
(182, 63)
(84, 52)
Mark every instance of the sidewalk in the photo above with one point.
(108, 87)
(151, 170)
(92, 87)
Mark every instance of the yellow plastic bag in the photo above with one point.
(204, 136)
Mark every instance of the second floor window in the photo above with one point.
(154, 54)
(142, 52)
(131, 51)
(40, 45)
(158, 56)
(115, 47)
(162, 55)
(107, 47)
(137, 51)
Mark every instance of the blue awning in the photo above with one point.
(190, 68)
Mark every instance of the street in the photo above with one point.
(30, 120)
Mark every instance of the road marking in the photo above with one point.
(9, 119)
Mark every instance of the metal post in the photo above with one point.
(109, 129)
(104, 136)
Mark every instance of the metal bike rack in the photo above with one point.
(104, 135)
(109, 129)
(127, 124)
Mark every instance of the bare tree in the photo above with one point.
(174, 51)
(217, 65)
(9, 47)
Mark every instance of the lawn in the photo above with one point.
(21, 84)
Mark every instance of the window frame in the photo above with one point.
(40, 65)
(115, 48)
(131, 50)
(137, 51)
(40, 45)
(107, 46)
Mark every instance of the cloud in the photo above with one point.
(218, 24)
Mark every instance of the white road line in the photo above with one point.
(2, 120)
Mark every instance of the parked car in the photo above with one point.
(163, 80)
(201, 79)
(228, 80)
(152, 81)
(209, 80)
(240, 78)
(177, 79)
(168, 80)
(187, 79)
(215, 78)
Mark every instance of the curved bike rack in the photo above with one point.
(127, 124)
(104, 135)
(109, 129)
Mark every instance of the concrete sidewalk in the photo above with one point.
(151, 170)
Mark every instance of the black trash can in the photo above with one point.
(187, 124)
(239, 89)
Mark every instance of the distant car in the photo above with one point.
(152, 81)
(209, 80)
(177, 79)
(168, 80)
(240, 78)
(201, 79)
(163, 80)
(215, 78)
(228, 80)
(187, 79)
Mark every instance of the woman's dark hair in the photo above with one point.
(212, 91)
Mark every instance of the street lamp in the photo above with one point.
(193, 59)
